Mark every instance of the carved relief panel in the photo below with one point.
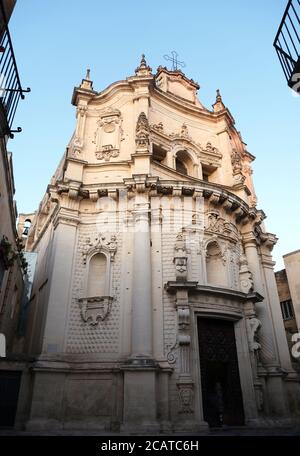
(108, 134)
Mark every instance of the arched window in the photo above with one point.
(97, 276)
(215, 267)
(184, 163)
(27, 224)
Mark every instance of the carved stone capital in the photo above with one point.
(74, 187)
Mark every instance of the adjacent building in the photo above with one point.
(288, 284)
(12, 263)
(154, 305)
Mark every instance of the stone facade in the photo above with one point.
(150, 223)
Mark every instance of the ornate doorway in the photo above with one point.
(221, 388)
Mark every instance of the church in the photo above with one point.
(154, 305)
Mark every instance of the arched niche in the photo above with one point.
(97, 275)
(215, 265)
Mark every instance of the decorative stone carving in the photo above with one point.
(95, 309)
(158, 127)
(142, 131)
(259, 395)
(143, 69)
(180, 258)
(185, 383)
(172, 354)
(81, 110)
(214, 223)
(107, 153)
(253, 326)
(236, 161)
(108, 134)
(76, 147)
(186, 396)
(209, 148)
(246, 280)
(237, 167)
(184, 131)
(98, 243)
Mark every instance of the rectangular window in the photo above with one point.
(287, 309)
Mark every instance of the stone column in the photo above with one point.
(170, 158)
(268, 349)
(140, 401)
(157, 279)
(141, 331)
(273, 299)
(275, 401)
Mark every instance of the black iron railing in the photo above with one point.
(287, 44)
(10, 86)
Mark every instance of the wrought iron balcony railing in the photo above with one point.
(10, 86)
(287, 44)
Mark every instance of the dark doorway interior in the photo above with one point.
(221, 388)
(9, 392)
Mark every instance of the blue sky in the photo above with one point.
(225, 44)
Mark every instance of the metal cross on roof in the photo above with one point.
(175, 63)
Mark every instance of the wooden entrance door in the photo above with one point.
(221, 388)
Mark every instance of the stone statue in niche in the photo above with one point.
(108, 135)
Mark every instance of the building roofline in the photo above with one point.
(291, 253)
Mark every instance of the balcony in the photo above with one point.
(10, 86)
(287, 44)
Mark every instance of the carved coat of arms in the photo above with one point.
(95, 309)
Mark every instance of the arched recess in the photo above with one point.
(215, 265)
(97, 276)
(96, 298)
(186, 160)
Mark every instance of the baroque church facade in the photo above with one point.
(154, 304)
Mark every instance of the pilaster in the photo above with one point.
(64, 248)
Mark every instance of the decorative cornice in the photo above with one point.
(174, 286)
(65, 218)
